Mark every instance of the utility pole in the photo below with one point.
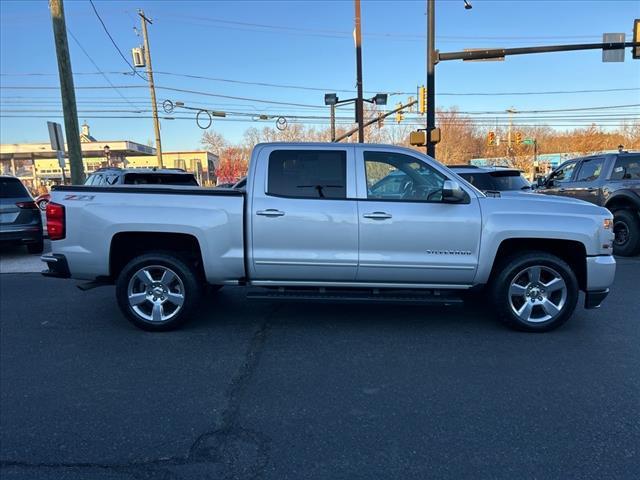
(359, 101)
(333, 123)
(67, 92)
(510, 111)
(431, 75)
(154, 106)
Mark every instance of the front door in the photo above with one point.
(303, 226)
(407, 233)
(561, 182)
(585, 187)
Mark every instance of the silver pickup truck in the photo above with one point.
(343, 222)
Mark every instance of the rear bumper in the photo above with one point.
(21, 234)
(56, 266)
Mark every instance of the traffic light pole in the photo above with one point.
(503, 52)
(432, 58)
(359, 101)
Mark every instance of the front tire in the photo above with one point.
(158, 291)
(626, 228)
(535, 292)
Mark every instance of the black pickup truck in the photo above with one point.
(611, 180)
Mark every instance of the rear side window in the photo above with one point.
(308, 173)
(12, 188)
(627, 167)
(590, 170)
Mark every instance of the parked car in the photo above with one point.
(43, 200)
(610, 180)
(310, 227)
(494, 179)
(20, 220)
(131, 176)
(112, 176)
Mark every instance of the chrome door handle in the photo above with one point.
(562, 189)
(270, 212)
(377, 215)
(591, 189)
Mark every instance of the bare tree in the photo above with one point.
(213, 141)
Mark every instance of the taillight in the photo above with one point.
(55, 221)
(27, 205)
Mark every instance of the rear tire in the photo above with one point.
(37, 247)
(158, 291)
(626, 227)
(534, 292)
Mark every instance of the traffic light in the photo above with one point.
(636, 38)
(491, 139)
(518, 138)
(422, 99)
(399, 114)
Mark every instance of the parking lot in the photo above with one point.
(290, 390)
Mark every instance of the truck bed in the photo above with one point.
(98, 216)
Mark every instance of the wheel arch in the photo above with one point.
(125, 246)
(571, 251)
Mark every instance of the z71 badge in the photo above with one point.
(79, 197)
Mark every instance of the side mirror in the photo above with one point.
(540, 182)
(451, 192)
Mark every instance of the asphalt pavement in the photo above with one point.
(281, 390)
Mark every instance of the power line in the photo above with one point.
(328, 89)
(98, 68)
(114, 42)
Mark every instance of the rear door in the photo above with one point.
(303, 214)
(410, 235)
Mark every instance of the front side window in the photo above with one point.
(590, 170)
(564, 174)
(396, 176)
(308, 174)
(627, 167)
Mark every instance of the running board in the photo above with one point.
(345, 296)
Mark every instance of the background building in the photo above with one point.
(36, 164)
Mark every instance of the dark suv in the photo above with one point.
(493, 179)
(20, 220)
(611, 180)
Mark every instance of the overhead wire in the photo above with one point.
(106, 30)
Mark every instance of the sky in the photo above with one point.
(304, 49)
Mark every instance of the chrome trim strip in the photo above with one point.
(444, 267)
(306, 264)
(48, 259)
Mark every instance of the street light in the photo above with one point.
(332, 100)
